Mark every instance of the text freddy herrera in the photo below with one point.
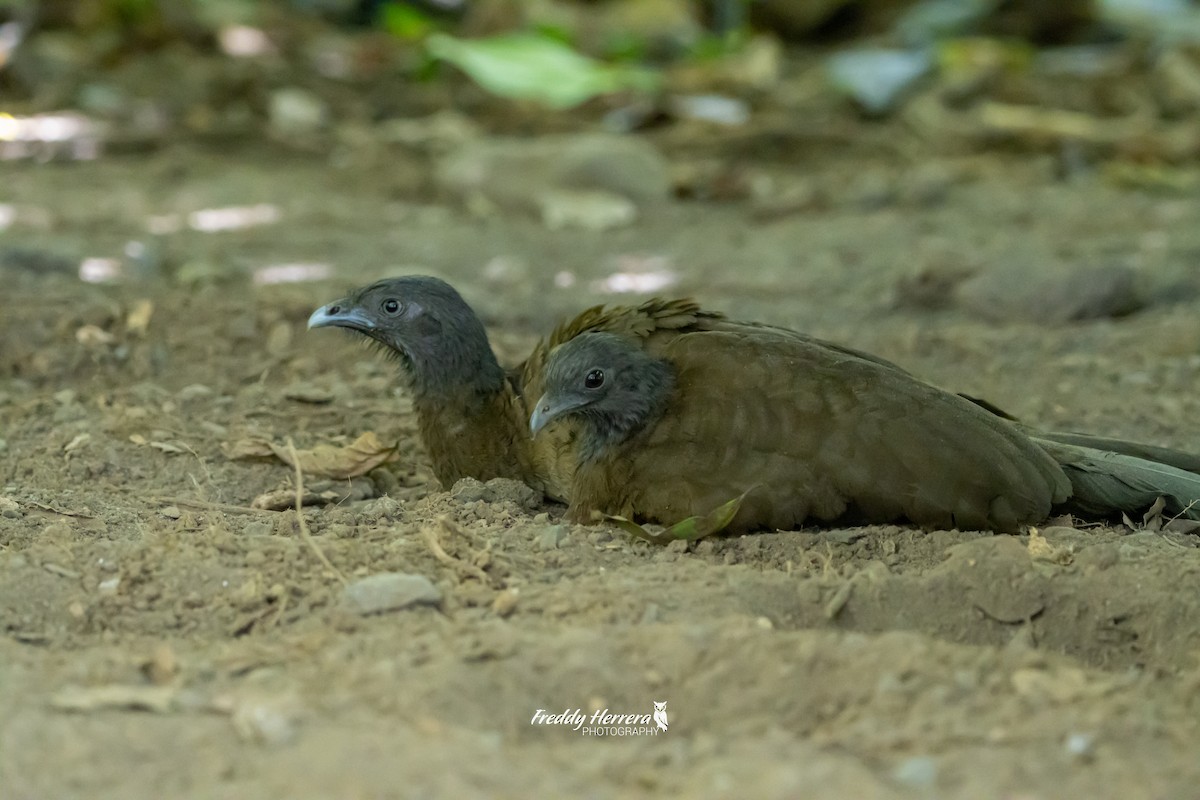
(577, 718)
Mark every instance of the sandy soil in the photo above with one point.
(160, 638)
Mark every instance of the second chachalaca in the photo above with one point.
(676, 425)
(852, 436)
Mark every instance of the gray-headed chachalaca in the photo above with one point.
(718, 407)
(679, 423)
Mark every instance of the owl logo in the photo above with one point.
(660, 714)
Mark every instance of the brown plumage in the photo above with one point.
(676, 424)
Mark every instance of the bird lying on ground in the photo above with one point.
(678, 423)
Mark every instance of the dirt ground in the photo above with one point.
(161, 638)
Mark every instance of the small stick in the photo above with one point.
(304, 534)
(441, 555)
(209, 506)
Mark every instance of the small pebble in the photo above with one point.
(258, 528)
(264, 721)
(551, 538)
(1080, 746)
(9, 508)
(194, 392)
(505, 602)
(57, 531)
(296, 112)
(919, 772)
(389, 591)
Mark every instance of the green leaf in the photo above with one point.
(532, 67)
(690, 529)
(405, 22)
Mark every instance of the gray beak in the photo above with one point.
(340, 314)
(539, 417)
(549, 409)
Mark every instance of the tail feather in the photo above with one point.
(1148, 452)
(1108, 482)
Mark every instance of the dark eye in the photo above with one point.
(594, 379)
(391, 305)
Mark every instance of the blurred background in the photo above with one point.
(161, 122)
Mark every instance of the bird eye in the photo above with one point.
(391, 305)
(594, 379)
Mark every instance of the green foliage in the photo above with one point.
(405, 21)
(530, 66)
(135, 12)
(712, 47)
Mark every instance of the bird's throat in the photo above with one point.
(473, 434)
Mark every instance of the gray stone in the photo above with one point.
(551, 537)
(389, 591)
(918, 772)
(1032, 292)
(587, 210)
(876, 79)
(296, 113)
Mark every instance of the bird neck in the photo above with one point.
(474, 433)
(457, 374)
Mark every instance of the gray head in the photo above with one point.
(427, 325)
(607, 381)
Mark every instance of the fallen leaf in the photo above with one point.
(245, 449)
(527, 66)
(1152, 520)
(690, 529)
(325, 460)
(1183, 526)
(319, 493)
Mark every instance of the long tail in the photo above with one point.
(1162, 455)
(1114, 476)
(1111, 476)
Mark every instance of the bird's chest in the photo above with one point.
(472, 442)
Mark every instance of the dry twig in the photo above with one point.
(304, 532)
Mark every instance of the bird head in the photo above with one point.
(607, 381)
(424, 323)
